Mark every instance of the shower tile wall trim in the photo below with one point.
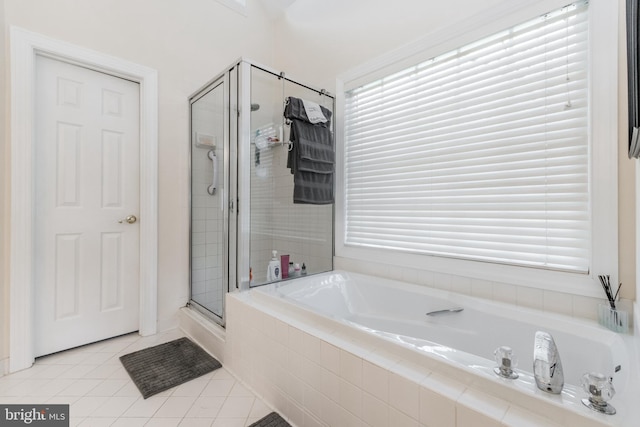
(319, 376)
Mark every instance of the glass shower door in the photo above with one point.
(302, 233)
(209, 198)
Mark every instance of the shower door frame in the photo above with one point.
(237, 177)
(244, 177)
(229, 80)
(244, 158)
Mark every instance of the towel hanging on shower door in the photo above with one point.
(312, 156)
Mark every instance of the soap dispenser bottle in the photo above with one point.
(273, 271)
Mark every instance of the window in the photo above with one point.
(482, 153)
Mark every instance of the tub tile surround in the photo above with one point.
(325, 376)
(555, 302)
(474, 408)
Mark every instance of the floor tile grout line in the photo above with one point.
(102, 362)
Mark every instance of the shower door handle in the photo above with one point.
(214, 184)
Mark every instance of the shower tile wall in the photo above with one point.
(262, 201)
(304, 232)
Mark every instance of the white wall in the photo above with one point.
(188, 42)
(319, 40)
(4, 208)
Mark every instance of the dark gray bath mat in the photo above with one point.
(271, 420)
(156, 369)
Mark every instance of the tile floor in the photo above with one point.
(100, 393)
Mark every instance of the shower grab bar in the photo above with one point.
(214, 161)
(447, 310)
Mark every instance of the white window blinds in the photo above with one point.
(481, 153)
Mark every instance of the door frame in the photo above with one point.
(25, 45)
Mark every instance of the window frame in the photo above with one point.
(603, 134)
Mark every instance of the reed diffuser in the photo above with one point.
(610, 316)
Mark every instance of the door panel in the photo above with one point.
(86, 183)
(67, 255)
(209, 205)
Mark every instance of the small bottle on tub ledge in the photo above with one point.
(273, 270)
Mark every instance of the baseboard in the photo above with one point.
(4, 367)
(168, 323)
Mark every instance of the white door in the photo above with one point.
(86, 159)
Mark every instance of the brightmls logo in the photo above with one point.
(34, 415)
(27, 417)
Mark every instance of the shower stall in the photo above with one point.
(242, 205)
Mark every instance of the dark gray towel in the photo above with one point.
(312, 149)
(312, 156)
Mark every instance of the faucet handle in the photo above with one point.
(506, 361)
(600, 390)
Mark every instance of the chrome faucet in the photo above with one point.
(547, 367)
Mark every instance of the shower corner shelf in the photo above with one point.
(203, 140)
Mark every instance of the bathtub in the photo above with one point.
(388, 314)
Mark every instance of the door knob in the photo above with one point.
(130, 219)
